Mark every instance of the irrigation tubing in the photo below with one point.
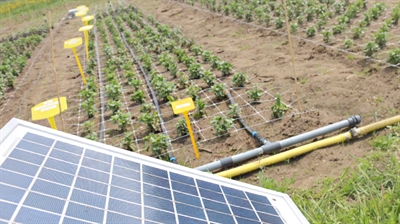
(275, 146)
(101, 131)
(253, 133)
(155, 100)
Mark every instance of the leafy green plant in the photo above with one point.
(278, 109)
(221, 125)
(381, 38)
(166, 89)
(240, 79)
(206, 55)
(88, 106)
(348, 43)
(183, 80)
(113, 91)
(327, 34)
(294, 27)
(255, 93)
(395, 15)
(215, 61)
(88, 127)
(279, 22)
(370, 49)
(200, 108)
(121, 119)
(311, 30)
(195, 71)
(127, 141)
(114, 105)
(357, 32)
(219, 90)
(394, 56)
(138, 97)
(151, 120)
(181, 127)
(193, 91)
(225, 68)
(135, 83)
(234, 110)
(146, 108)
(157, 143)
(209, 78)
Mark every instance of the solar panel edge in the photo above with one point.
(281, 201)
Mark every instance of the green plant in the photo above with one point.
(221, 125)
(279, 22)
(225, 68)
(113, 91)
(240, 79)
(234, 110)
(183, 80)
(114, 105)
(348, 43)
(135, 83)
(151, 120)
(157, 143)
(255, 93)
(195, 71)
(381, 38)
(181, 127)
(370, 49)
(278, 109)
(138, 97)
(327, 34)
(88, 106)
(92, 136)
(357, 32)
(311, 30)
(394, 56)
(209, 78)
(166, 89)
(294, 27)
(206, 55)
(146, 108)
(219, 90)
(88, 127)
(127, 141)
(193, 91)
(215, 61)
(395, 15)
(121, 119)
(200, 108)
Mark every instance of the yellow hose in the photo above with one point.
(307, 148)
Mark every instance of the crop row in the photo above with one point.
(14, 53)
(353, 27)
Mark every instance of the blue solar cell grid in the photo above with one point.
(45, 179)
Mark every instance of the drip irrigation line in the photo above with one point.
(155, 100)
(101, 130)
(253, 133)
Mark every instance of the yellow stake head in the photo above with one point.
(48, 109)
(184, 106)
(85, 28)
(87, 18)
(81, 13)
(72, 43)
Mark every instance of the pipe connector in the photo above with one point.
(354, 120)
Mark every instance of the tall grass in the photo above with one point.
(370, 193)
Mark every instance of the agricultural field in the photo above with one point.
(233, 58)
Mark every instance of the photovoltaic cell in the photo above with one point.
(94, 187)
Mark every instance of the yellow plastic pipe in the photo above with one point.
(309, 147)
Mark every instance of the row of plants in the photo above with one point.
(14, 54)
(158, 45)
(329, 18)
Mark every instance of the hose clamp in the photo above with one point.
(355, 132)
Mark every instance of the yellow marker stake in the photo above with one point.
(86, 19)
(81, 14)
(48, 109)
(184, 106)
(85, 30)
(73, 43)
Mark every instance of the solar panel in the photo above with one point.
(53, 177)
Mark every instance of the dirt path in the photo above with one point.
(334, 86)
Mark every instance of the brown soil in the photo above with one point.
(335, 88)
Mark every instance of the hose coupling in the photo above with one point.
(355, 132)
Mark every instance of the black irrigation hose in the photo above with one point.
(253, 133)
(155, 101)
(101, 132)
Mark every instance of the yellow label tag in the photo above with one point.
(48, 108)
(183, 105)
(74, 42)
(87, 18)
(85, 28)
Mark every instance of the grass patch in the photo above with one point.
(370, 193)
